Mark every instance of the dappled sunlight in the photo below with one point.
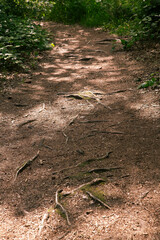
(147, 107)
(45, 115)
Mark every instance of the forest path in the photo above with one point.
(43, 115)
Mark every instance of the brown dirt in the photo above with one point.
(68, 131)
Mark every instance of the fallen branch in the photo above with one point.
(98, 200)
(100, 170)
(26, 164)
(58, 204)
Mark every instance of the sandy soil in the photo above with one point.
(41, 115)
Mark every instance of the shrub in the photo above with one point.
(18, 38)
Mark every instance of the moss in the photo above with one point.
(61, 213)
(95, 191)
(78, 176)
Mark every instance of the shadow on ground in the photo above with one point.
(37, 116)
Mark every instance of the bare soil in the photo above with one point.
(39, 114)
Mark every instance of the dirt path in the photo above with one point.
(38, 115)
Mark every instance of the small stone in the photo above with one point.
(41, 162)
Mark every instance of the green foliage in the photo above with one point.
(70, 11)
(37, 9)
(144, 23)
(86, 12)
(138, 19)
(18, 38)
(154, 81)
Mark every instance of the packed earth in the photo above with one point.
(79, 143)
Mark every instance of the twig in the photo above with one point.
(124, 176)
(97, 170)
(24, 123)
(61, 207)
(43, 107)
(45, 217)
(65, 137)
(46, 146)
(98, 200)
(26, 164)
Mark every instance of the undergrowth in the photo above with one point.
(19, 38)
(153, 81)
(137, 19)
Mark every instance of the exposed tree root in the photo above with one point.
(72, 121)
(118, 91)
(24, 123)
(93, 121)
(59, 205)
(95, 159)
(107, 132)
(99, 170)
(91, 183)
(98, 200)
(65, 234)
(83, 163)
(25, 164)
